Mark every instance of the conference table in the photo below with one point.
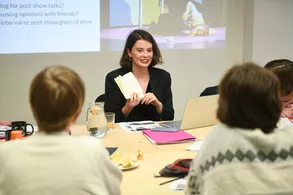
(155, 157)
(141, 180)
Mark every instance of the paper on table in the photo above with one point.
(137, 125)
(196, 145)
(128, 84)
(150, 139)
(178, 184)
(3, 129)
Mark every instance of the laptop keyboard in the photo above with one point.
(173, 124)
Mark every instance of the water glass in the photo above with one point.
(110, 116)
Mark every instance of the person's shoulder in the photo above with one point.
(92, 146)
(160, 72)
(286, 129)
(221, 129)
(87, 142)
(117, 72)
(12, 145)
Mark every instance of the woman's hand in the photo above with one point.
(130, 104)
(133, 101)
(150, 98)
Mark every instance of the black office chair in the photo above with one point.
(100, 98)
(210, 91)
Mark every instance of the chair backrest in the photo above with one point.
(210, 91)
(100, 98)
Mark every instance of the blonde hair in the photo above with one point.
(56, 96)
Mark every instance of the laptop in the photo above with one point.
(199, 112)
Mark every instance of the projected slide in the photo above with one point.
(175, 24)
(48, 26)
(41, 26)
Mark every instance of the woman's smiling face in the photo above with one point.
(141, 53)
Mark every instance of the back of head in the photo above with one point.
(134, 36)
(56, 97)
(283, 68)
(249, 98)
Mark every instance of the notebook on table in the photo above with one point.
(161, 137)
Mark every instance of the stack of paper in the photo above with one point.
(137, 126)
(128, 85)
(159, 137)
(178, 185)
(3, 129)
(196, 145)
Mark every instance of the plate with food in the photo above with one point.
(129, 165)
(124, 162)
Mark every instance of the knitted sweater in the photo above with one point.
(235, 161)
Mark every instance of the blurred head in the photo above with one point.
(140, 50)
(56, 98)
(249, 98)
(283, 68)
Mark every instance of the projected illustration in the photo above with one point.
(175, 24)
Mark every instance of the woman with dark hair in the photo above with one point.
(140, 55)
(245, 153)
(283, 68)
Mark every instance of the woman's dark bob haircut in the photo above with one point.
(134, 36)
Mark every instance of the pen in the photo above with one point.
(171, 180)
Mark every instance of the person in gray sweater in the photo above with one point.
(246, 153)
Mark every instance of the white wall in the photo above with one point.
(191, 70)
(269, 26)
(248, 28)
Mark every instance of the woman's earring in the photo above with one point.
(129, 58)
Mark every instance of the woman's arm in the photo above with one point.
(110, 174)
(167, 102)
(130, 104)
(192, 186)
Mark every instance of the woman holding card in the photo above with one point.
(140, 55)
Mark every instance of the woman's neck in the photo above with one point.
(140, 72)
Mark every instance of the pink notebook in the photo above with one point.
(160, 137)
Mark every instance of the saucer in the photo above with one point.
(136, 164)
